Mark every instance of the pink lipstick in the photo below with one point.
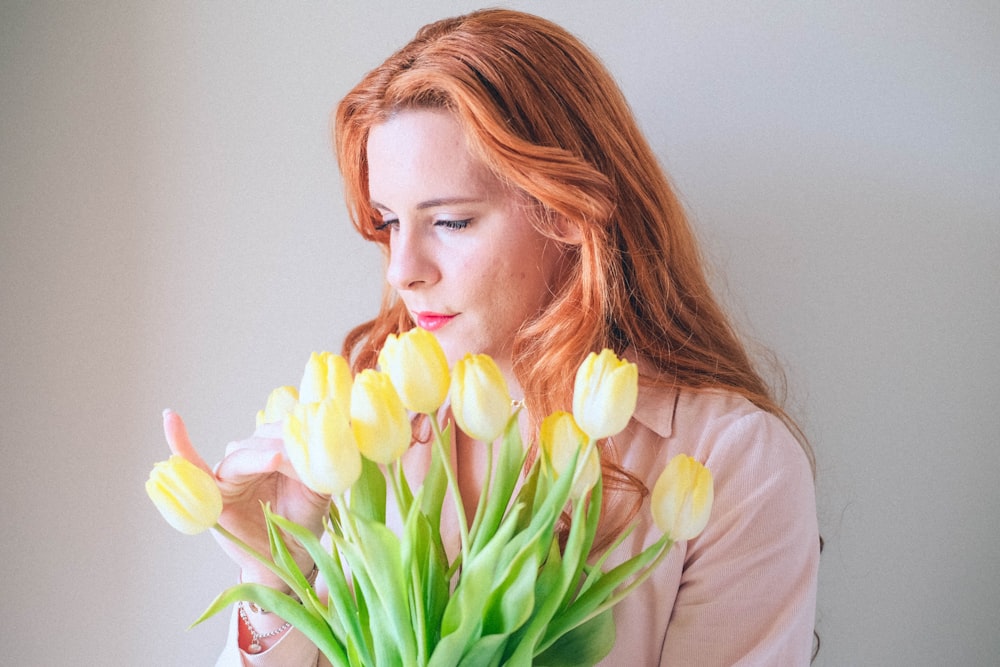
(432, 321)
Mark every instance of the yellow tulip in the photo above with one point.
(561, 439)
(279, 404)
(327, 375)
(682, 498)
(418, 368)
(604, 394)
(321, 447)
(186, 495)
(379, 420)
(480, 401)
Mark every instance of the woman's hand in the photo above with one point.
(254, 471)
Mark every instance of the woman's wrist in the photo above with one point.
(259, 629)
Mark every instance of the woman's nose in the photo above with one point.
(411, 263)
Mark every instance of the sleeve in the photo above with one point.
(293, 650)
(747, 594)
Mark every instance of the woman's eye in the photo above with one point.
(453, 224)
(386, 224)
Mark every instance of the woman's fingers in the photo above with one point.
(178, 440)
(246, 466)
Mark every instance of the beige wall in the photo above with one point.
(172, 235)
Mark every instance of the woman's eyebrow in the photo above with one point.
(433, 203)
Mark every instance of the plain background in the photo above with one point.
(173, 236)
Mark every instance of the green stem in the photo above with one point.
(481, 507)
(420, 621)
(346, 520)
(264, 560)
(581, 461)
(395, 472)
(463, 522)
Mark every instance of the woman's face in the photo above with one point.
(464, 257)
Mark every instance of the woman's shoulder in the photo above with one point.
(716, 426)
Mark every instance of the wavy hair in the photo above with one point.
(542, 112)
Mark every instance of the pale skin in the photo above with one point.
(468, 265)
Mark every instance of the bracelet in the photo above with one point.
(255, 636)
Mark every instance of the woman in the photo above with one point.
(524, 216)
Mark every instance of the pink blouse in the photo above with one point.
(741, 593)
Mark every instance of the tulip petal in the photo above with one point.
(379, 420)
(321, 446)
(480, 401)
(186, 496)
(417, 365)
(681, 502)
(605, 394)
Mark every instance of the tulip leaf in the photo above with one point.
(289, 569)
(368, 493)
(602, 593)
(435, 482)
(508, 470)
(462, 620)
(332, 571)
(580, 541)
(587, 644)
(486, 652)
(427, 566)
(510, 603)
(380, 562)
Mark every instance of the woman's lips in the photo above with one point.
(432, 321)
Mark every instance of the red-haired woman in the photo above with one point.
(524, 215)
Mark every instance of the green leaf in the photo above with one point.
(377, 558)
(513, 597)
(580, 541)
(341, 602)
(462, 620)
(430, 588)
(508, 470)
(435, 483)
(585, 645)
(602, 592)
(282, 556)
(367, 497)
(486, 652)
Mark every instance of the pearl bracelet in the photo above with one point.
(255, 636)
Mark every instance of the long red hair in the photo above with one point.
(549, 120)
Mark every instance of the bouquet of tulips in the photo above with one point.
(514, 594)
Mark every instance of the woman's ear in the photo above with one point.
(568, 230)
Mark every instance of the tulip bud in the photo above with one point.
(561, 439)
(418, 368)
(682, 498)
(186, 495)
(480, 401)
(327, 375)
(321, 447)
(379, 420)
(279, 404)
(604, 394)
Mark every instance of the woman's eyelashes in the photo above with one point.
(393, 223)
(453, 224)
